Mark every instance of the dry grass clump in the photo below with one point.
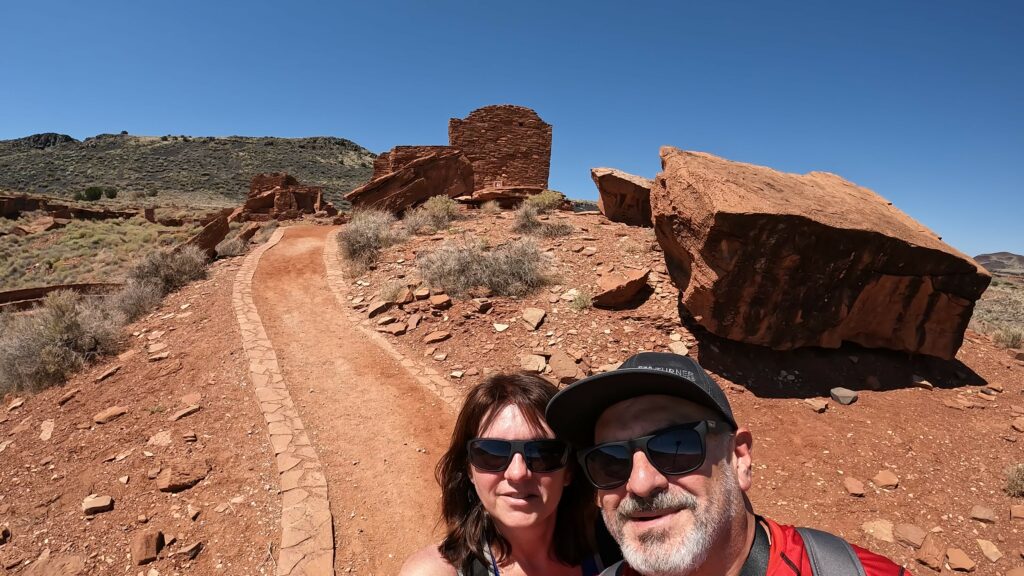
(1015, 481)
(369, 232)
(43, 347)
(1000, 312)
(170, 270)
(433, 215)
(490, 207)
(136, 298)
(581, 301)
(265, 232)
(546, 201)
(527, 222)
(513, 269)
(1008, 338)
(232, 247)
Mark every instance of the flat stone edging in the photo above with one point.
(307, 529)
(425, 375)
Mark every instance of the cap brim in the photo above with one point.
(574, 410)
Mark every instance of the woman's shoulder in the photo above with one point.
(427, 562)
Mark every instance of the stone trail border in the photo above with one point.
(425, 375)
(307, 530)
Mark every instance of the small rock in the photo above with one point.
(959, 561)
(146, 546)
(15, 404)
(886, 479)
(880, 529)
(844, 396)
(413, 321)
(67, 396)
(983, 514)
(440, 301)
(441, 357)
(481, 305)
(159, 357)
(532, 363)
(1017, 512)
(182, 476)
(421, 293)
(191, 512)
(94, 504)
(500, 327)
(46, 430)
(533, 317)
(158, 347)
(819, 405)
(376, 308)
(921, 382)
(162, 438)
(989, 550)
(396, 329)
(435, 337)
(457, 373)
(589, 251)
(853, 486)
(679, 348)
(1018, 424)
(108, 373)
(123, 479)
(189, 436)
(931, 552)
(910, 535)
(187, 411)
(109, 414)
(191, 551)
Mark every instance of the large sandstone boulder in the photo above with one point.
(208, 238)
(788, 260)
(444, 173)
(623, 197)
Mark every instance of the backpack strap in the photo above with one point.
(829, 554)
(614, 569)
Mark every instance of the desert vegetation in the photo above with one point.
(369, 232)
(437, 213)
(527, 221)
(67, 331)
(512, 269)
(1000, 312)
(1015, 481)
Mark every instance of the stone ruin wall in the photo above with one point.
(263, 182)
(509, 146)
(396, 158)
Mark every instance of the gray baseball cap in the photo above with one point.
(574, 411)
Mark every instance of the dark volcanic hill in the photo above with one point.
(200, 169)
(1002, 262)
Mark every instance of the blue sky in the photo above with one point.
(921, 101)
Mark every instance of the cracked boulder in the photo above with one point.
(790, 260)
(623, 197)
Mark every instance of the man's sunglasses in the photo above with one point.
(494, 455)
(673, 451)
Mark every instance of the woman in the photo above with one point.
(508, 496)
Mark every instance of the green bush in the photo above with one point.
(63, 334)
(527, 222)
(512, 269)
(433, 215)
(490, 207)
(546, 201)
(581, 301)
(110, 192)
(78, 196)
(93, 193)
(369, 232)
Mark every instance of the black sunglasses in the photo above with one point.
(673, 451)
(494, 455)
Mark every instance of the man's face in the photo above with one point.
(672, 524)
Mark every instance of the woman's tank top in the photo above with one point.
(591, 566)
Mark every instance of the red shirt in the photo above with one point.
(787, 557)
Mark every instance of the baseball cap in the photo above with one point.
(574, 410)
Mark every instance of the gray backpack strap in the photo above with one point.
(829, 554)
(613, 570)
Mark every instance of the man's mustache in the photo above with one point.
(660, 502)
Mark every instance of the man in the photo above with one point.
(658, 439)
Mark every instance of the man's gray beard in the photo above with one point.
(654, 552)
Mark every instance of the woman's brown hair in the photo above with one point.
(469, 527)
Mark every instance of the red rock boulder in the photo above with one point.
(208, 238)
(443, 173)
(788, 260)
(623, 197)
(620, 288)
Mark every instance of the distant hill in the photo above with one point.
(1002, 262)
(209, 170)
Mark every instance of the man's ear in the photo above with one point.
(742, 458)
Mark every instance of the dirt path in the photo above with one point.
(378, 432)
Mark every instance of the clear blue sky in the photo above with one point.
(921, 101)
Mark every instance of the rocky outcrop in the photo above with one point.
(623, 197)
(279, 196)
(208, 238)
(787, 260)
(446, 173)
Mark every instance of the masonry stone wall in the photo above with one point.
(398, 157)
(509, 146)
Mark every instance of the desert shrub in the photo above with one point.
(232, 247)
(490, 207)
(110, 193)
(581, 301)
(1008, 338)
(1015, 481)
(512, 269)
(390, 290)
(527, 222)
(170, 270)
(78, 196)
(369, 232)
(64, 333)
(93, 193)
(135, 299)
(265, 232)
(433, 215)
(545, 201)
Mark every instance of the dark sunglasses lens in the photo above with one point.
(676, 451)
(490, 455)
(609, 466)
(545, 455)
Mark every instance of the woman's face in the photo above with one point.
(518, 497)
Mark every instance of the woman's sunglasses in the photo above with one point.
(672, 451)
(494, 455)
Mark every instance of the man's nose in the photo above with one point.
(645, 480)
(517, 469)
